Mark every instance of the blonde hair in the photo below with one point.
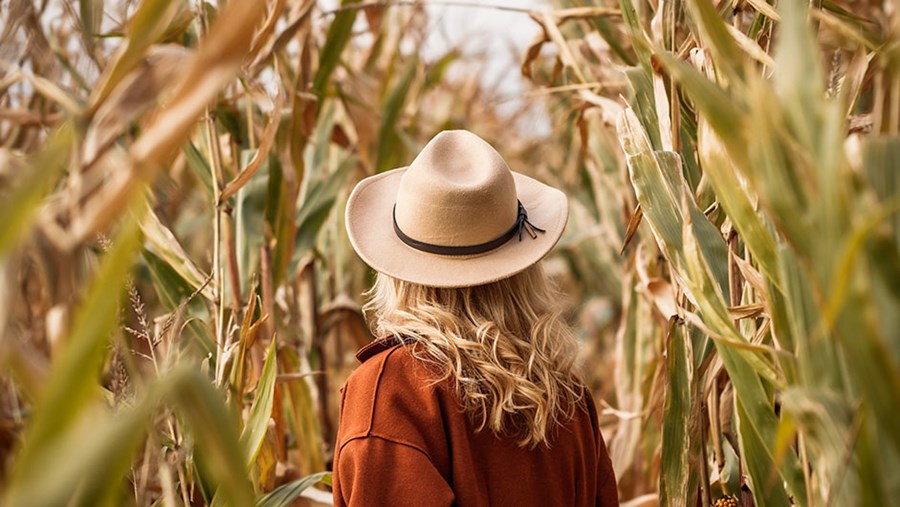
(504, 345)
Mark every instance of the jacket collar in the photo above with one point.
(376, 347)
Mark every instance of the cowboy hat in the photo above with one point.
(457, 216)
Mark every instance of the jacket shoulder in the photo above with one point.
(358, 396)
(391, 395)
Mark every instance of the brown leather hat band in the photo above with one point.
(521, 224)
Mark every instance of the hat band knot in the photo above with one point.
(522, 224)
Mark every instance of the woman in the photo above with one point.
(468, 397)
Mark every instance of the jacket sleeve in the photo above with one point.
(375, 472)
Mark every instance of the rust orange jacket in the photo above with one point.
(404, 441)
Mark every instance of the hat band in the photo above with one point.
(521, 224)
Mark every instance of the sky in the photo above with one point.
(502, 34)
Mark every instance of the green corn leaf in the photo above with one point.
(798, 75)
(775, 174)
(746, 369)
(715, 38)
(706, 291)
(756, 454)
(274, 192)
(163, 243)
(280, 212)
(879, 159)
(723, 176)
(214, 427)
(66, 471)
(643, 102)
(711, 246)
(173, 292)
(824, 417)
(316, 206)
(199, 166)
(261, 411)
(284, 496)
(876, 371)
(874, 464)
(659, 182)
(800, 320)
(636, 32)
(390, 152)
(678, 476)
(781, 329)
(438, 69)
(723, 111)
(693, 246)
(87, 463)
(675, 219)
(658, 202)
(611, 38)
(339, 32)
(249, 221)
(218, 454)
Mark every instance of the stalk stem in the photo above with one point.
(218, 269)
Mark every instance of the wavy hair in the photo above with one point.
(504, 345)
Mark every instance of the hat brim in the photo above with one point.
(370, 227)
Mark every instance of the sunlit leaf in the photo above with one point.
(261, 410)
(284, 495)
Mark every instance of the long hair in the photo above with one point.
(504, 346)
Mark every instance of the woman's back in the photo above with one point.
(481, 405)
(405, 441)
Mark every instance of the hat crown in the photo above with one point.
(457, 192)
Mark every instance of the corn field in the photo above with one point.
(179, 303)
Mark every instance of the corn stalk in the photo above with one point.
(762, 230)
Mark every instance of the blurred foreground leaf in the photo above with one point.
(73, 379)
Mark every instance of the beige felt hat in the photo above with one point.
(456, 217)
